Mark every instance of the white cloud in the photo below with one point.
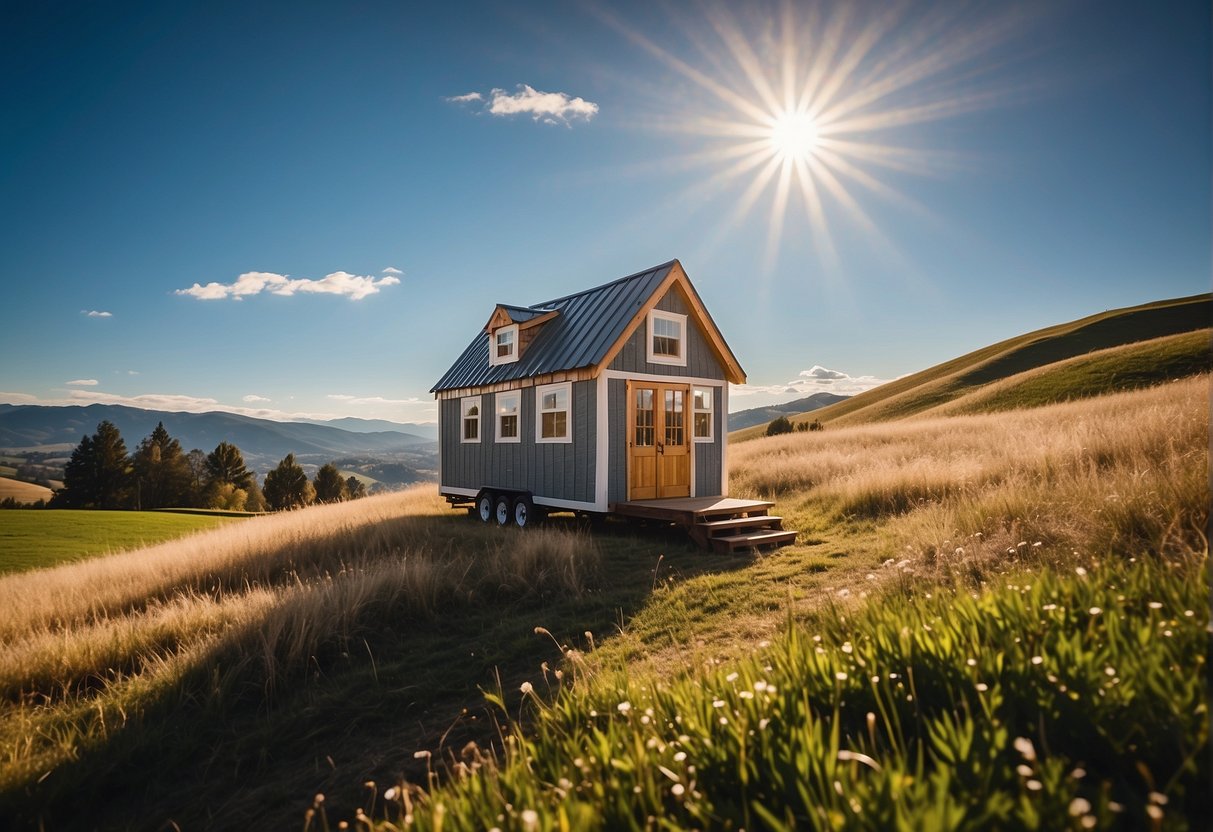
(548, 107)
(94, 313)
(252, 398)
(355, 287)
(816, 379)
(84, 382)
(392, 270)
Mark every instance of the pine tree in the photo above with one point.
(225, 464)
(329, 484)
(98, 473)
(355, 489)
(162, 473)
(287, 485)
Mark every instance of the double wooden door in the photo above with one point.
(659, 441)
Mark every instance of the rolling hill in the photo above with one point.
(937, 386)
(37, 427)
(762, 415)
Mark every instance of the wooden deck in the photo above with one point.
(724, 524)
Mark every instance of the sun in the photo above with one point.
(794, 136)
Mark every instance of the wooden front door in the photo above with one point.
(659, 442)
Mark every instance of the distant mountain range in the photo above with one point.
(760, 415)
(427, 431)
(34, 427)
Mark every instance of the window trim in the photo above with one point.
(679, 360)
(567, 386)
(711, 411)
(494, 359)
(464, 404)
(498, 399)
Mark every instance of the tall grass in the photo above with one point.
(233, 615)
(1045, 702)
(1122, 473)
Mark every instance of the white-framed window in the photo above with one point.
(503, 345)
(703, 398)
(509, 416)
(469, 410)
(554, 413)
(667, 338)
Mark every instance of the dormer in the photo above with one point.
(510, 329)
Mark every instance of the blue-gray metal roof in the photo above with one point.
(588, 325)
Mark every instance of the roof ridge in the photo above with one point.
(633, 276)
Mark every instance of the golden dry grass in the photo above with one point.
(23, 492)
(1119, 472)
(241, 610)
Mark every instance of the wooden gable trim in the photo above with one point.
(677, 278)
(501, 318)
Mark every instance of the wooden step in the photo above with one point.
(713, 527)
(752, 540)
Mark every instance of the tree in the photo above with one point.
(196, 459)
(162, 472)
(330, 485)
(226, 464)
(254, 500)
(355, 489)
(287, 486)
(98, 473)
(778, 425)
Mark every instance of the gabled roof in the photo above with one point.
(587, 331)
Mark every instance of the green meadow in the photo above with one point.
(36, 538)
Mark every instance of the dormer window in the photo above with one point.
(667, 338)
(503, 345)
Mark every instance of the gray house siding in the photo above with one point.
(560, 471)
(707, 454)
(701, 360)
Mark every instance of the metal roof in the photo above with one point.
(588, 325)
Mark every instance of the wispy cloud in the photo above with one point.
(355, 287)
(547, 107)
(83, 382)
(375, 400)
(250, 398)
(96, 313)
(17, 398)
(392, 270)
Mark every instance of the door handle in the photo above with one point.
(661, 449)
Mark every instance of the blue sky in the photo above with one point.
(969, 172)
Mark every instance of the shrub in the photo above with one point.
(778, 425)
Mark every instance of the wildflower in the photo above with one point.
(1155, 605)
(1034, 785)
(971, 662)
(526, 687)
(1079, 806)
(745, 694)
(760, 686)
(1082, 573)
(983, 687)
(623, 707)
(717, 703)
(677, 790)
(1188, 613)
(841, 676)
(1159, 798)
(1111, 671)
(732, 677)
(1078, 774)
(1037, 660)
(763, 723)
(1154, 812)
(846, 647)
(1024, 746)
(1024, 771)
(876, 680)
(391, 793)
(1095, 611)
(530, 819)
(680, 756)
(1049, 607)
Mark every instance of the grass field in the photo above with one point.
(25, 492)
(223, 679)
(36, 538)
(943, 383)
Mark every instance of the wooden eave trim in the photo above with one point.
(677, 277)
(582, 374)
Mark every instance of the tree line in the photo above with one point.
(160, 474)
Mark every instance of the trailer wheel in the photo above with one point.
(524, 512)
(501, 510)
(484, 506)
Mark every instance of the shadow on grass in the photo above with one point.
(244, 758)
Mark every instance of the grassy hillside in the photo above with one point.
(938, 385)
(224, 679)
(36, 538)
(23, 492)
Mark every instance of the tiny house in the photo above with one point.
(612, 400)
